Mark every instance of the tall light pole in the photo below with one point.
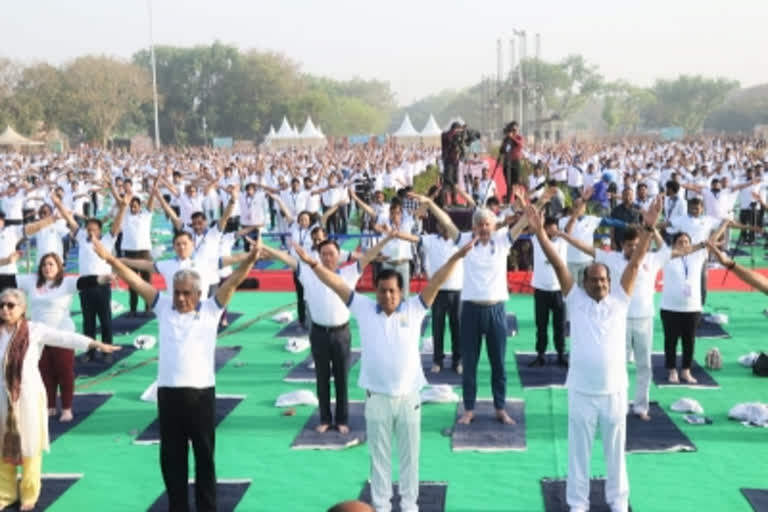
(154, 76)
(521, 35)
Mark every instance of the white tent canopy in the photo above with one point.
(406, 129)
(285, 131)
(431, 128)
(271, 134)
(11, 138)
(309, 131)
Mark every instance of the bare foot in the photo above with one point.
(672, 377)
(435, 368)
(644, 416)
(343, 429)
(66, 415)
(687, 377)
(322, 428)
(52, 412)
(466, 418)
(504, 418)
(27, 506)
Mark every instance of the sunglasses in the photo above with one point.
(8, 305)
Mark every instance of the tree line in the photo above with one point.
(204, 91)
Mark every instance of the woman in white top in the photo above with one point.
(23, 421)
(681, 305)
(49, 295)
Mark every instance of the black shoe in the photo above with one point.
(89, 356)
(539, 361)
(562, 362)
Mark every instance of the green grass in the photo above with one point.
(254, 441)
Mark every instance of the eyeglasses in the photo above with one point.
(8, 305)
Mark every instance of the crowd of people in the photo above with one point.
(601, 220)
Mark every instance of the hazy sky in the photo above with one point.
(419, 46)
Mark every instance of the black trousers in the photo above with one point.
(447, 302)
(301, 307)
(450, 173)
(747, 217)
(681, 325)
(330, 351)
(544, 302)
(96, 301)
(187, 414)
(133, 297)
(511, 176)
(7, 281)
(704, 284)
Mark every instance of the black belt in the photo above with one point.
(327, 328)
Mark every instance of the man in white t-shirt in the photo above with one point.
(597, 378)
(391, 372)
(547, 297)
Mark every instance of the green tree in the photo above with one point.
(688, 101)
(625, 107)
(99, 92)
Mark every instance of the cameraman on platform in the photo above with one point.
(511, 157)
(451, 142)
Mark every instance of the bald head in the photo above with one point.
(351, 506)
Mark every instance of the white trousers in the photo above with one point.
(640, 343)
(384, 416)
(585, 413)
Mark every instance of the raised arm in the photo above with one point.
(228, 287)
(330, 211)
(175, 220)
(283, 208)
(271, 253)
(143, 265)
(442, 217)
(650, 217)
(468, 198)
(361, 204)
(117, 224)
(137, 284)
(583, 247)
(753, 279)
(536, 224)
(234, 194)
(70, 220)
(374, 251)
(33, 227)
(429, 292)
(330, 279)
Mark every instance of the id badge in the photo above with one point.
(403, 322)
(686, 290)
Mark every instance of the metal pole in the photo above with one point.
(499, 79)
(511, 72)
(539, 104)
(521, 35)
(154, 76)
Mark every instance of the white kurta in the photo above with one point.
(31, 408)
(48, 304)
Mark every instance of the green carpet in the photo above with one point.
(253, 441)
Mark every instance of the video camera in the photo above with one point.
(458, 139)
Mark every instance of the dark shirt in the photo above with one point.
(511, 148)
(629, 215)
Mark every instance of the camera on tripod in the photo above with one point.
(364, 188)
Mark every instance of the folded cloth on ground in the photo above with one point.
(150, 395)
(116, 307)
(144, 342)
(748, 360)
(297, 345)
(283, 317)
(713, 359)
(687, 405)
(427, 346)
(754, 413)
(439, 393)
(299, 397)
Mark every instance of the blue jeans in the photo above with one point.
(476, 321)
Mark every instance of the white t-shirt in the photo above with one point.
(697, 228)
(437, 251)
(252, 209)
(89, 261)
(682, 283)
(390, 362)
(325, 305)
(485, 267)
(187, 343)
(49, 239)
(598, 363)
(583, 230)
(10, 236)
(136, 231)
(49, 304)
(641, 305)
(544, 276)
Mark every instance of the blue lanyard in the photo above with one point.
(684, 259)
